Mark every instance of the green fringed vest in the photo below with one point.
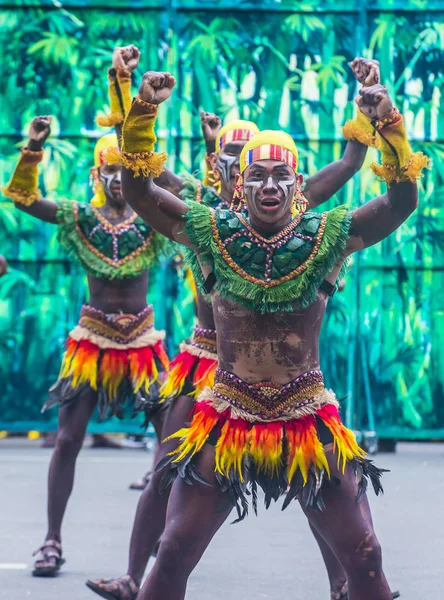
(104, 250)
(194, 191)
(267, 274)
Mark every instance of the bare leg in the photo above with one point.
(347, 527)
(194, 515)
(73, 420)
(151, 510)
(336, 574)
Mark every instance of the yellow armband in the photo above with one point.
(360, 129)
(399, 163)
(23, 187)
(119, 91)
(138, 140)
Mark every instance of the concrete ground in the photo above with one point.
(270, 557)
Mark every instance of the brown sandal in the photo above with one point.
(48, 559)
(343, 594)
(141, 484)
(123, 588)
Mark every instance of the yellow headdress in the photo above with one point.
(105, 142)
(276, 145)
(236, 131)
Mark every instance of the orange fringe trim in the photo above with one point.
(181, 369)
(143, 164)
(109, 120)
(85, 362)
(280, 445)
(352, 131)
(21, 196)
(412, 171)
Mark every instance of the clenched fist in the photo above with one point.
(126, 57)
(38, 132)
(156, 87)
(374, 102)
(366, 71)
(211, 125)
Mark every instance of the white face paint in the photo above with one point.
(224, 164)
(254, 185)
(108, 180)
(285, 185)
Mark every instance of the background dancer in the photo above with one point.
(114, 355)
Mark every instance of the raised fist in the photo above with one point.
(374, 102)
(366, 71)
(211, 125)
(39, 130)
(156, 87)
(126, 57)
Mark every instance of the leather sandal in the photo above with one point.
(123, 588)
(48, 559)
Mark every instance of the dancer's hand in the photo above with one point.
(366, 71)
(210, 124)
(126, 57)
(156, 87)
(374, 102)
(38, 132)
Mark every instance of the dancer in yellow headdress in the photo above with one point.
(114, 355)
(269, 421)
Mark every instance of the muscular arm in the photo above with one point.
(171, 182)
(43, 209)
(324, 184)
(157, 206)
(380, 217)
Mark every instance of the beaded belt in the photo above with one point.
(204, 339)
(120, 328)
(268, 400)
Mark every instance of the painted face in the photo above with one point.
(226, 162)
(109, 176)
(269, 188)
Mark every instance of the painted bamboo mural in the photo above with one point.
(284, 64)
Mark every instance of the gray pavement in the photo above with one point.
(270, 557)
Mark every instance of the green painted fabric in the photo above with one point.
(249, 254)
(74, 229)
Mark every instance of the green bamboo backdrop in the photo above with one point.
(283, 64)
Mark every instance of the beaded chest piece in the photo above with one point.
(105, 250)
(114, 244)
(267, 262)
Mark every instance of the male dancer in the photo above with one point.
(197, 362)
(269, 421)
(114, 354)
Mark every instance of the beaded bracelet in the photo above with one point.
(34, 156)
(151, 108)
(393, 118)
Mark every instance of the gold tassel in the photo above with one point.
(143, 164)
(109, 120)
(21, 196)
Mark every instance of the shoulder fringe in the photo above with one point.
(352, 131)
(69, 238)
(190, 188)
(231, 285)
(412, 171)
(109, 120)
(23, 197)
(143, 164)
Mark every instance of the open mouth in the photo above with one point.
(270, 204)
